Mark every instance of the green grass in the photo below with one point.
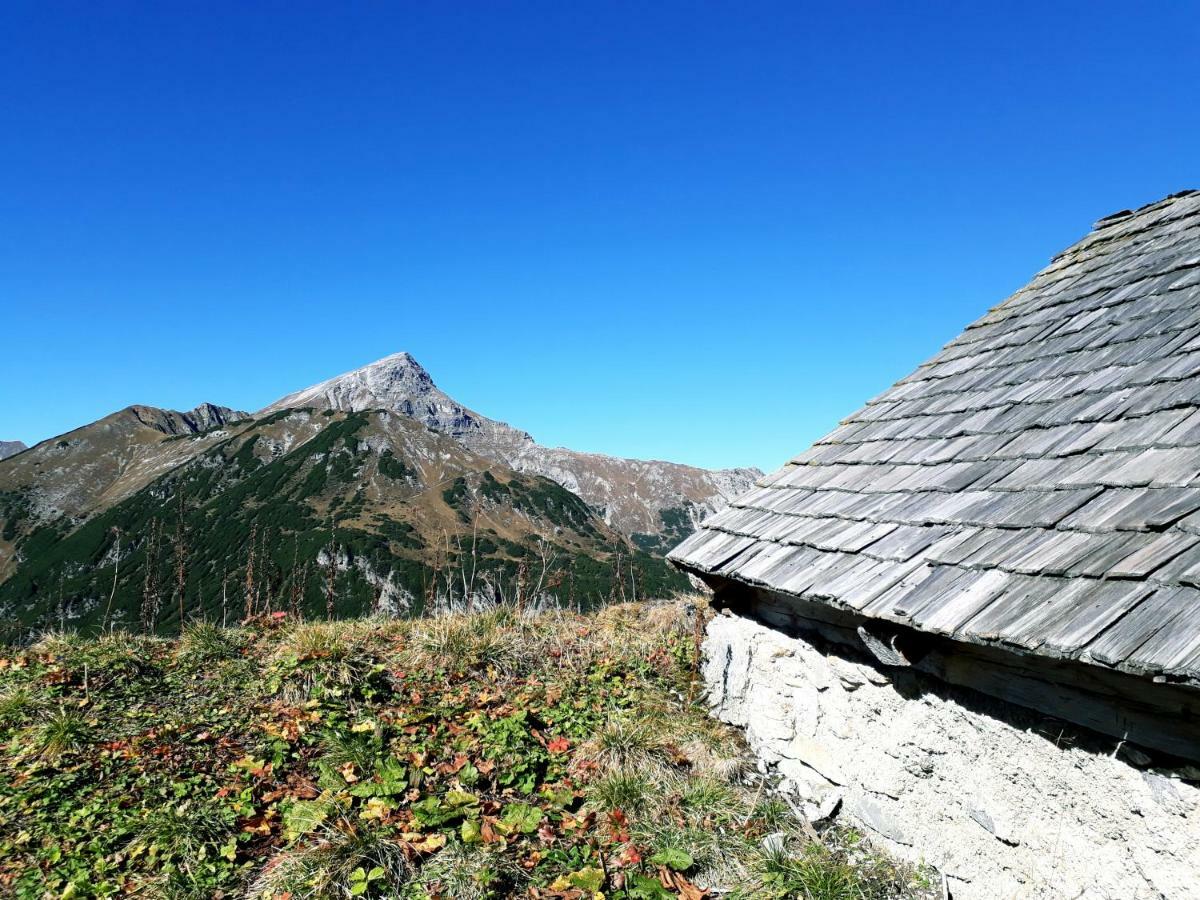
(471, 756)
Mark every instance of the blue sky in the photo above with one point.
(692, 231)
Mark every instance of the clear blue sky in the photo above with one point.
(693, 231)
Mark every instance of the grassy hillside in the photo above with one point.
(487, 755)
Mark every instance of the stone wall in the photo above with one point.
(1003, 801)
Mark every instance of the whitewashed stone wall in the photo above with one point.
(1003, 810)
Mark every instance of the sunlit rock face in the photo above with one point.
(1003, 801)
(657, 502)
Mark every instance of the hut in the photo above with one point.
(968, 619)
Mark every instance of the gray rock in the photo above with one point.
(1165, 793)
(823, 810)
(1004, 812)
(870, 813)
(999, 830)
(1134, 756)
(774, 842)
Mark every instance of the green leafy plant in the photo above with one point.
(679, 860)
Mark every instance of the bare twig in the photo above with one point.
(332, 575)
(116, 571)
(181, 556)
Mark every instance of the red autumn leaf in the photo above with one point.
(616, 826)
(559, 745)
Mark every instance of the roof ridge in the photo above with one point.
(1100, 235)
(1123, 214)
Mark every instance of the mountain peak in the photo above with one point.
(397, 382)
(635, 495)
(395, 365)
(399, 367)
(403, 359)
(11, 448)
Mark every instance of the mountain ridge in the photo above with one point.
(373, 490)
(87, 468)
(284, 507)
(673, 492)
(11, 448)
(201, 418)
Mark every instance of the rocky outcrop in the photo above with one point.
(650, 498)
(398, 383)
(11, 448)
(204, 417)
(637, 497)
(1003, 801)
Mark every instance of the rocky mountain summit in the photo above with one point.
(10, 448)
(657, 503)
(399, 384)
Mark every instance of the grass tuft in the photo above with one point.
(469, 872)
(63, 731)
(205, 643)
(58, 642)
(495, 639)
(623, 791)
(323, 656)
(346, 860)
(622, 742)
(17, 704)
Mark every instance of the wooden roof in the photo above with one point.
(1035, 485)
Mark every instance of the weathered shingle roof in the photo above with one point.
(1036, 484)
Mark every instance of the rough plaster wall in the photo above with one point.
(1001, 809)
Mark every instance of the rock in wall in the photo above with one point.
(1003, 801)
